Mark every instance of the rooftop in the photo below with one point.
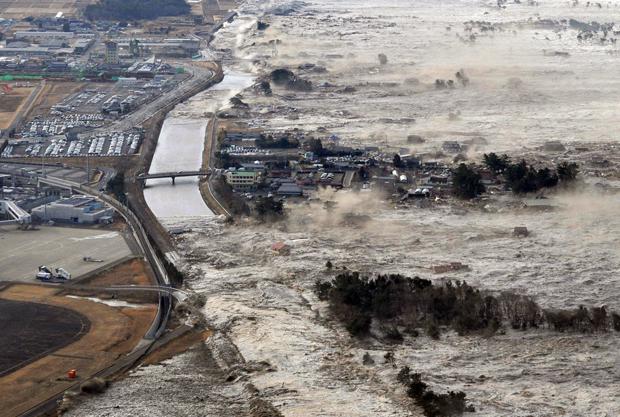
(75, 201)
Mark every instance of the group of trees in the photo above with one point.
(269, 209)
(467, 182)
(135, 9)
(524, 178)
(519, 176)
(116, 186)
(394, 301)
(433, 404)
(315, 146)
(269, 142)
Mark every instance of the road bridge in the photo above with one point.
(143, 177)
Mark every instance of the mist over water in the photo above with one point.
(520, 92)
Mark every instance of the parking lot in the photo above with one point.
(111, 144)
(70, 174)
(22, 252)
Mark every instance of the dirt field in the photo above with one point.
(37, 329)
(113, 332)
(18, 9)
(11, 103)
(53, 93)
(133, 272)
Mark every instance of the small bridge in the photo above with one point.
(143, 177)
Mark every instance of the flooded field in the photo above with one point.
(532, 80)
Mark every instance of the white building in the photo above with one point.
(77, 209)
(243, 180)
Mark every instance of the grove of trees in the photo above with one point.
(523, 178)
(396, 301)
(433, 404)
(467, 182)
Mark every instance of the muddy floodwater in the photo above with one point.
(538, 71)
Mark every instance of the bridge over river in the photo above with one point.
(175, 174)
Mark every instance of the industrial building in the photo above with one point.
(76, 210)
(44, 36)
(175, 47)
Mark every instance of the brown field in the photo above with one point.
(11, 103)
(53, 93)
(18, 9)
(113, 332)
(133, 272)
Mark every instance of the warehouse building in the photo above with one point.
(76, 210)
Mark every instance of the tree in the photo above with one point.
(545, 178)
(363, 173)
(520, 177)
(398, 163)
(268, 207)
(116, 186)
(66, 27)
(315, 146)
(467, 182)
(495, 163)
(567, 171)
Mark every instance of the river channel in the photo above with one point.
(180, 147)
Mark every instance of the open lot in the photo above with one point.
(21, 252)
(70, 174)
(113, 332)
(18, 9)
(52, 94)
(11, 103)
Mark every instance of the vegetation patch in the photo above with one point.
(394, 302)
(433, 404)
(520, 177)
(524, 178)
(269, 142)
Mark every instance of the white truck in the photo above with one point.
(46, 274)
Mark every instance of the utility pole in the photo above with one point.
(87, 169)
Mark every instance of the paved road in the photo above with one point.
(211, 141)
